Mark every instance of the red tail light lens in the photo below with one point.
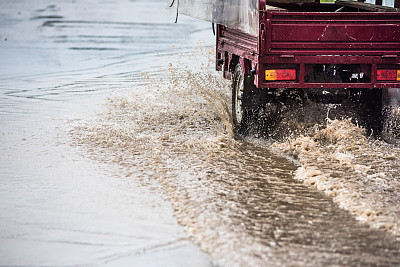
(388, 75)
(280, 75)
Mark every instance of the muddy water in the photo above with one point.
(240, 199)
(360, 174)
(110, 136)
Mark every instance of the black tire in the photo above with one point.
(391, 115)
(248, 105)
(371, 111)
(242, 109)
(239, 105)
(391, 125)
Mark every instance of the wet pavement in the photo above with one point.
(61, 60)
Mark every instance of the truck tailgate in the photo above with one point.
(311, 33)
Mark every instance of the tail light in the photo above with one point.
(388, 75)
(280, 75)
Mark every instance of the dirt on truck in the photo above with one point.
(285, 52)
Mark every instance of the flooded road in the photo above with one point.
(60, 60)
(117, 149)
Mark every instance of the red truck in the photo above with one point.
(344, 51)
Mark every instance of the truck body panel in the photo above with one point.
(356, 42)
(333, 33)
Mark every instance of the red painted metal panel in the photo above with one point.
(331, 85)
(330, 33)
(336, 33)
(301, 40)
(236, 39)
(332, 16)
(359, 59)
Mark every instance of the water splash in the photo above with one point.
(237, 200)
(358, 173)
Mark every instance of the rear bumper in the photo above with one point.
(303, 63)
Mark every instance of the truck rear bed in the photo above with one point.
(330, 33)
(356, 44)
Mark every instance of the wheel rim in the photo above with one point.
(239, 89)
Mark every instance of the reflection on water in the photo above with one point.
(58, 51)
(61, 59)
(236, 199)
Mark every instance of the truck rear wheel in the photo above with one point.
(245, 102)
(391, 125)
(238, 101)
(248, 104)
(369, 108)
(391, 115)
